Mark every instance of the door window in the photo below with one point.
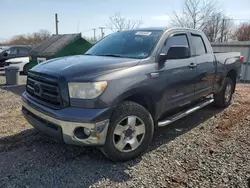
(177, 40)
(12, 51)
(23, 51)
(199, 44)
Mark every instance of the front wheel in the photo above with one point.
(26, 69)
(224, 97)
(130, 132)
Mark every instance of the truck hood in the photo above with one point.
(83, 67)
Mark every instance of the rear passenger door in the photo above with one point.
(206, 67)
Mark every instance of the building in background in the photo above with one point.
(58, 46)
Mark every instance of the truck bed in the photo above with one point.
(223, 57)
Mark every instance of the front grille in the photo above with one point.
(44, 89)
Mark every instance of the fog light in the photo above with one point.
(87, 131)
(82, 133)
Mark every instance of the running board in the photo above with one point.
(183, 114)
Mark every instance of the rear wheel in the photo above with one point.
(130, 132)
(224, 97)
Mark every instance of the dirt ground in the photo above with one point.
(210, 148)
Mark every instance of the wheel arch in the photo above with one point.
(232, 74)
(143, 98)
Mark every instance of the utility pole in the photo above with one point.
(102, 31)
(94, 34)
(56, 21)
(222, 30)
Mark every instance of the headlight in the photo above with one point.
(17, 62)
(89, 90)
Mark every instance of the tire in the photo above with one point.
(135, 144)
(224, 97)
(26, 69)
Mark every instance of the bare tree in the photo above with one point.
(195, 14)
(119, 23)
(204, 15)
(213, 26)
(227, 30)
(29, 39)
(242, 33)
(218, 28)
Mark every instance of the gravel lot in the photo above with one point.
(210, 148)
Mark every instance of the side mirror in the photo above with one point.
(162, 58)
(5, 54)
(178, 52)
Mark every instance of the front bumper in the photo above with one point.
(64, 130)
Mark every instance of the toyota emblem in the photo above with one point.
(37, 89)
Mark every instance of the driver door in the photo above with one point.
(179, 75)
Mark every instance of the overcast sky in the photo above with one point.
(27, 16)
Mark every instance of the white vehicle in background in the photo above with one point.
(21, 62)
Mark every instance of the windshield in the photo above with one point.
(130, 44)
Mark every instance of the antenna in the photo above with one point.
(78, 23)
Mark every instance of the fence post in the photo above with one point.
(247, 64)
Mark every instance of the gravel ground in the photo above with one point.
(210, 148)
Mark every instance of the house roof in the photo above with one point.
(52, 45)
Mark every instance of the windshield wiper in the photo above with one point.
(107, 55)
(110, 55)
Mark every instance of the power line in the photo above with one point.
(87, 30)
(237, 19)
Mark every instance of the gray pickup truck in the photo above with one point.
(116, 94)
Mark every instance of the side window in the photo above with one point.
(23, 51)
(177, 40)
(198, 44)
(12, 51)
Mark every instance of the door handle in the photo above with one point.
(192, 65)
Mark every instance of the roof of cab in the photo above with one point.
(169, 29)
(152, 28)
